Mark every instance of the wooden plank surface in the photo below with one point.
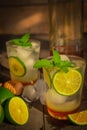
(54, 124)
(85, 16)
(18, 17)
(19, 20)
(21, 2)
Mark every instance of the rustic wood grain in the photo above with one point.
(85, 16)
(21, 2)
(18, 20)
(18, 17)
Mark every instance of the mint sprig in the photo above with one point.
(56, 61)
(62, 65)
(56, 58)
(42, 63)
(23, 41)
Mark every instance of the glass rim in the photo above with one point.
(76, 57)
(9, 42)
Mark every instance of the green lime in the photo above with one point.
(5, 94)
(16, 111)
(79, 118)
(1, 114)
(67, 83)
(17, 66)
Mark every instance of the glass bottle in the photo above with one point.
(66, 26)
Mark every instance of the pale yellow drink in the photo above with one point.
(59, 105)
(21, 60)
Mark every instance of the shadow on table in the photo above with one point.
(54, 124)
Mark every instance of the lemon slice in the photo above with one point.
(79, 118)
(48, 74)
(17, 67)
(16, 111)
(47, 77)
(67, 83)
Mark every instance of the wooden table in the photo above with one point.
(39, 118)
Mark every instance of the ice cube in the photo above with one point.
(41, 89)
(29, 93)
(30, 62)
(54, 97)
(22, 52)
(64, 57)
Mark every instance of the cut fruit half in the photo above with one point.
(5, 94)
(16, 111)
(68, 83)
(79, 118)
(1, 114)
(17, 66)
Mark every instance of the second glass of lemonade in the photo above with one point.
(21, 59)
(64, 76)
(60, 104)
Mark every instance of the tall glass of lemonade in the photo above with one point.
(22, 54)
(64, 76)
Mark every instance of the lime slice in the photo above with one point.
(48, 74)
(16, 111)
(17, 66)
(1, 114)
(5, 94)
(79, 118)
(67, 83)
(47, 77)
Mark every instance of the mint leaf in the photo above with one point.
(64, 69)
(15, 41)
(66, 64)
(56, 57)
(25, 38)
(55, 62)
(42, 63)
(62, 65)
(27, 44)
(23, 41)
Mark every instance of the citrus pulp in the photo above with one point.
(79, 118)
(67, 83)
(17, 66)
(16, 111)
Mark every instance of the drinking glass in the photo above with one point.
(66, 26)
(58, 105)
(21, 60)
